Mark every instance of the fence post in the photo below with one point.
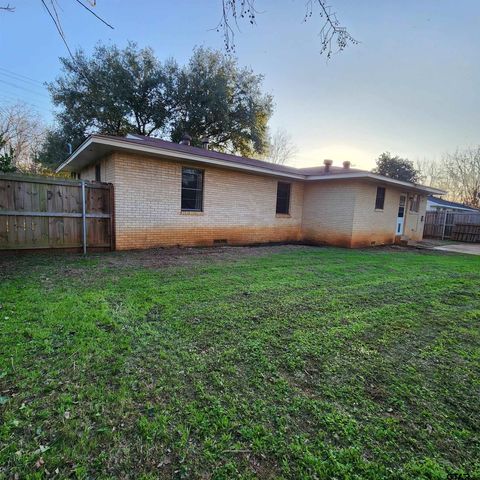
(84, 219)
(444, 224)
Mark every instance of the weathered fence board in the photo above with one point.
(39, 212)
(443, 224)
(466, 232)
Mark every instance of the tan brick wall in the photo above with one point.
(238, 207)
(378, 227)
(106, 171)
(343, 213)
(371, 226)
(328, 212)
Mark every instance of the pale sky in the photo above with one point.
(410, 87)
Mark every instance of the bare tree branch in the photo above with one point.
(22, 132)
(462, 171)
(333, 37)
(232, 11)
(332, 32)
(94, 14)
(53, 14)
(457, 173)
(7, 8)
(281, 148)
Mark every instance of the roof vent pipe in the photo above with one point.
(205, 143)
(328, 164)
(186, 139)
(346, 164)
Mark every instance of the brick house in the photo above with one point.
(170, 194)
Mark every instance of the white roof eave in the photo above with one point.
(119, 144)
(378, 178)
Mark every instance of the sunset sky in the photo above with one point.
(410, 87)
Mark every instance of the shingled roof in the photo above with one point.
(235, 159)
(96, 147)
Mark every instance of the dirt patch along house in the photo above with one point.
(170, 194)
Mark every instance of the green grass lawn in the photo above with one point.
(291, 362)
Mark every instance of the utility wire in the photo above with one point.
(58, 27)
(75, 64)
(21, 87)
(7, 76)
(20, 76)
(13, 100)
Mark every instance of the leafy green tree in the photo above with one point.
(397, 168)
(57, 146)
(219, 100)
(7, 156)
(115, 91)
(119, 91)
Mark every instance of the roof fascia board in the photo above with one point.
(378, 178)
(86, 143)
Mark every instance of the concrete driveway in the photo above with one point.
(470, 248)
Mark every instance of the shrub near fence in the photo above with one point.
(443, 224)
(47, 213)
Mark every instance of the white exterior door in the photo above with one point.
(401, 214)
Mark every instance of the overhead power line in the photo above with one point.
(6, 99)
(21, 87)
(7, 76)
(56, 22)
(21, 76)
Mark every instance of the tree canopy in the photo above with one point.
(397, 168)
(119, 91)
(215, 98)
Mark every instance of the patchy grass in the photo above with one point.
(294, 363)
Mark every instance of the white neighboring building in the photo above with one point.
(435, 204)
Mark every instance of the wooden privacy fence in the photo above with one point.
(466, 232)
(42, 212)
(447, 224)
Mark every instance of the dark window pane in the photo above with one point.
(188, 203)
(380, 199)
(192, 189)
(191, 178)
(188, 194)
(283, 189)
(282, 205)
(97, 173)
(283, 197)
